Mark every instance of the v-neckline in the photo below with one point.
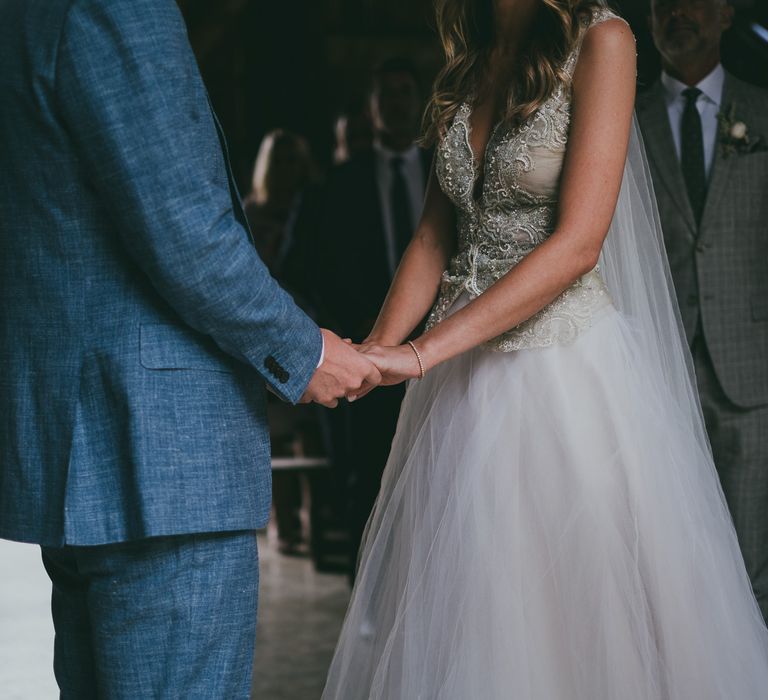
(479, 168)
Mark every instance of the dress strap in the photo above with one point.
(602, 14)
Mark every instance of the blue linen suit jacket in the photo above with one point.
(138, 324)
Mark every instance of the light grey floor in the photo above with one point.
(26, 631)
(300, 615)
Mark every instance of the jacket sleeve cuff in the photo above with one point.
(289, 369)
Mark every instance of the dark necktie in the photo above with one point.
(402, 221)
(692, 153)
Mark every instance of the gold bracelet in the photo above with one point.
(418, 357)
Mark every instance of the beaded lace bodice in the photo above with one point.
(513, 213)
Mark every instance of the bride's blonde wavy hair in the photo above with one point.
(466, 31)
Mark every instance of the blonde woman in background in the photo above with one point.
(282, 171)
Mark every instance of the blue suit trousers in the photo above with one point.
(167, 617)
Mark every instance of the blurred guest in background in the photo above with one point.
(706, 133)
(370, 208)
(372, 203)
(283, 170)
(353, 133)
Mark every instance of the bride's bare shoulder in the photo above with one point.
(607, 50)
(608, 37)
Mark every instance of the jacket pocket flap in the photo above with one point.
(173, 347)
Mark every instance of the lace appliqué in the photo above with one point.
(558, 323)
(561, 322)
(514, 213)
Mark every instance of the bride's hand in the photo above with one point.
(396, 364)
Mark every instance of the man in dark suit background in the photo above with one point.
(371, 205)
(138, 330)
(369, 209)
(706, 135)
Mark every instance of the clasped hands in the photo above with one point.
(351, 371)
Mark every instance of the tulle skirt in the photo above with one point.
(548, 528)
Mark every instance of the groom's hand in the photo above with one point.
(343, 372)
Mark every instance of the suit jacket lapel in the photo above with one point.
(661, 147)
(721, 167)
(376, 203)
(374, 206)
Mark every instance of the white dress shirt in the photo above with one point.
(708, 105)
(414, 180)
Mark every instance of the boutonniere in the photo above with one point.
(735, 137)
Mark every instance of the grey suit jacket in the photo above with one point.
(138, 324)
(721, 272)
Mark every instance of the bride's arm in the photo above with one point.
(601, 115)
(417, 279)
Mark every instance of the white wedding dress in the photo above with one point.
(550, 524)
